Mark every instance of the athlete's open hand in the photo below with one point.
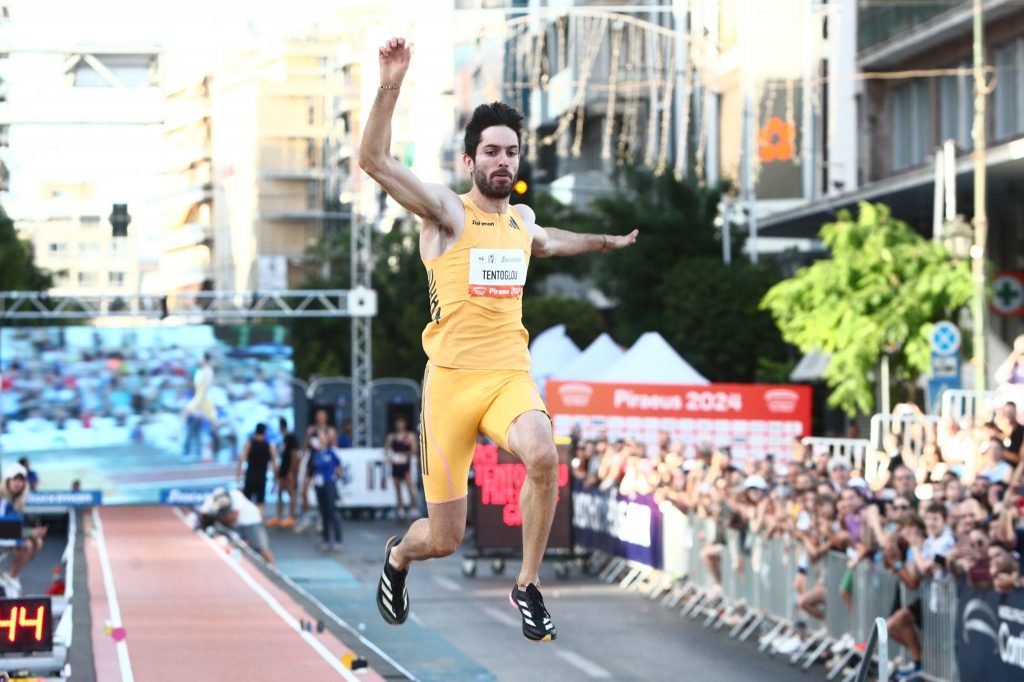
(620, 241)
(394, 56)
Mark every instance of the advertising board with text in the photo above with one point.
(498, 478)
(752, 419)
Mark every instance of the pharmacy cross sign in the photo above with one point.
(1008, 294)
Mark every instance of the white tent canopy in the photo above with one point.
(651, 360)
(601, 354)
(550, 351)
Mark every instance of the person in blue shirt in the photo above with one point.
(323, 471)
(345, 435)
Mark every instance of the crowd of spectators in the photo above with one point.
(939, 498)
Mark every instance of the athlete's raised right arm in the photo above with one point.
(430, 202)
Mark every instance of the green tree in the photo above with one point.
(323, 345)
(710, 314)
(583, 322)
(881, 291)
(673, 280)
(18, 271)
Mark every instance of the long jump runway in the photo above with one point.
(170, 604)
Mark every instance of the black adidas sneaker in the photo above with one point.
(537, 625)
(392, 594)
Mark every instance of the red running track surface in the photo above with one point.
(188, 615)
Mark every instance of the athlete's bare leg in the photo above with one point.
(398, 494)
(407, 481)
(438, 535)
(531, 440)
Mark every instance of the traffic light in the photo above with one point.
(521, 189)
(120, 220)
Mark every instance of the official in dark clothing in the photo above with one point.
(287, 478)
(258, 457)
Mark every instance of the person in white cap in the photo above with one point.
(14, 491)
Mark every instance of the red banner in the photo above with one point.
(755, 418)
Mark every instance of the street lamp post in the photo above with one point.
(980, 214)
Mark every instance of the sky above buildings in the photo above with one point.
(193, 35)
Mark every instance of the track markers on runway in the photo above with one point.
(123, 659)
(335, 617)
(275, 606)
(353, 631)
(446, 583)
(591, 669)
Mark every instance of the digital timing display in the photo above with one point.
(25, 625)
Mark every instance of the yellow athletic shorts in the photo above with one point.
(457, 405)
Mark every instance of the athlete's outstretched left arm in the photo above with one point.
(550, 241)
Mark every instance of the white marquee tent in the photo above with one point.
(601, 354)
(550, 351)
(651, 360)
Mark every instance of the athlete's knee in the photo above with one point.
(445, 545)
(541, 460)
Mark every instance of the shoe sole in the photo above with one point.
(384, 613)
(545, 638)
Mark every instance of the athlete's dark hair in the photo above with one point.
(487, 115)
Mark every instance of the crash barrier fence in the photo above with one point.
(914, 430)
(960, 405)
(52, 663)
(880, 640)
(853, 450)
(757, 594)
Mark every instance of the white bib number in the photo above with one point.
(497, 273)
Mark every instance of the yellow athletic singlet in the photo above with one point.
(476, 295)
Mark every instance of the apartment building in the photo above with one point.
(73, 241)
(268, 108)
(914, 91)
(185, 260)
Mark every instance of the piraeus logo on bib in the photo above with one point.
(497, 273)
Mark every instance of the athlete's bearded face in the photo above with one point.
(496, 163)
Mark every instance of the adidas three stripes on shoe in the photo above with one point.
(537, 625)
(392, 594)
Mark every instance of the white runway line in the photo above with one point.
(591, 669)
(447, 583)
(276, 607)
(123, 660)
(504, 617)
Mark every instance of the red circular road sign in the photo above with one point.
(1008, 294)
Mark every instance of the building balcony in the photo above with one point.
(184, 193)
(186, 236)
(889, 36)
(302, 87)
(186, 154)
(298, 206)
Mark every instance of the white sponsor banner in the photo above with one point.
(367, 481)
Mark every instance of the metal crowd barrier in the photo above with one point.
(853, 450)
(759, 598)
(959, 404)
(915, 430)
(938, 629)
